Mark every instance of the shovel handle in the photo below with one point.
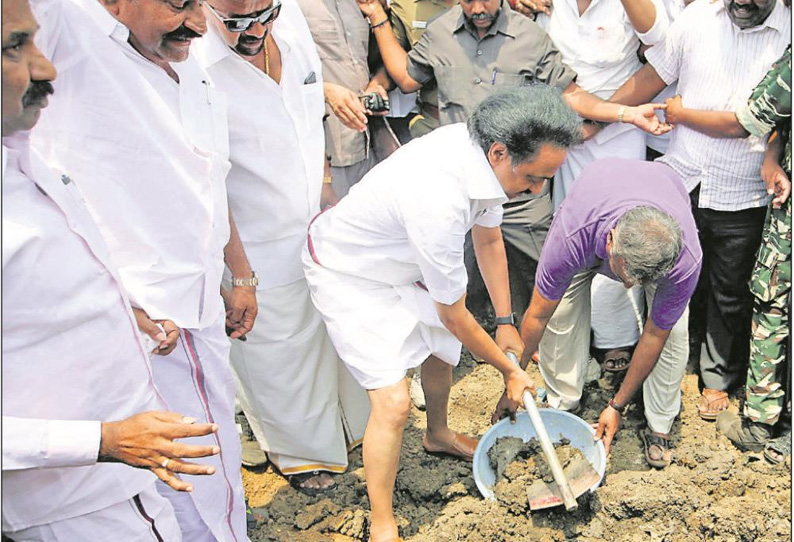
(548, 448)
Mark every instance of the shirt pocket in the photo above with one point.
(313, 102)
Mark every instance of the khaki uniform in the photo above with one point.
(769, 107)
(409, 20)
(341, 35)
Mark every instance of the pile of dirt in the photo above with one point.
(518, 465)
(711, 492)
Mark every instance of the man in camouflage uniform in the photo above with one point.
(769, 108)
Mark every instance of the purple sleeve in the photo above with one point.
(672, 296)
(560, 259)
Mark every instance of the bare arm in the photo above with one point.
(777, 183)
(711, 123)
(640, 88)
(492, 261)
(533, 324)
(393, 55)
(594, 108)
(641, 13)
(327, 196)
(241, 308)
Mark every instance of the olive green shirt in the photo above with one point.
(341, 35)
(514, 52)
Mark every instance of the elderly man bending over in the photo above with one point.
(386, 270)
(632, 222)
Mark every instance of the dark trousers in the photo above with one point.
(730, 241)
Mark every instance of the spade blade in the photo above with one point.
(581, 476)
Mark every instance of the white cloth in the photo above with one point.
(564, 357)
(71, 353)
(277, 145)
(289, 359)
(717, 66)
(401, 229)
(195, 380)
(601, 44)
(146, 517)
(408, 224)
(150, 155)
(614, 318)
(274, 191)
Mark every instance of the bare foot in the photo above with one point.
(451, 443)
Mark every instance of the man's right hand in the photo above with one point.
(370, 7)
(165, 337)
(346, 106)
(777, 184)
(146, 441)
(531, 8)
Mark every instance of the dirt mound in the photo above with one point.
(711, 492)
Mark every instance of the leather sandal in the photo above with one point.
(707, 398)
(778, 449)
(616, 361)
(462, 447)
(296, 481)
(650, 441)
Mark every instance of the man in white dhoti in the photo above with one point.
(138, 127)
(275, 187)
(385, 268)
(76, 378)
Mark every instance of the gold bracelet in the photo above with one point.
(328, 180)
(621, 112)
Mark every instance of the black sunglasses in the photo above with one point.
(241, 24)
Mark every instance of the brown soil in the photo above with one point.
(711, 492)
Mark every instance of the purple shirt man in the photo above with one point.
(631, 221)
(603, 192)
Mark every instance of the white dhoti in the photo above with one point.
(196, 380)
(564, 355)
(304, 407)
(146, 517)
(614, 323)
(380, 331)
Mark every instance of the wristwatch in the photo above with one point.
(253, 280)
(505, 320)
(622, 410)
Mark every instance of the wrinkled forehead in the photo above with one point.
(18, 21)
(241, 8)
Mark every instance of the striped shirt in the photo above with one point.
(717, 66)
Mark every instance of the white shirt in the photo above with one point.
(277, 145)
(601, 44)
(407, 219)
(71, 353)
(150, 155)
(717, 66)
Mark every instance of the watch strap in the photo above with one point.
(253, 280)
(622, 410)
(505, 320)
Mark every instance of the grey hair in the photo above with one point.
(649, 241)
(523, 119)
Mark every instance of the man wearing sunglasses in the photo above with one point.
(262, 55)
(153, 178)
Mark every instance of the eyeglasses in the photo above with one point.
(241, 24)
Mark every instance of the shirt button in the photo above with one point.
(477, 80)
(479, 53)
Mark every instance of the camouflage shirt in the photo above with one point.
(770, 106)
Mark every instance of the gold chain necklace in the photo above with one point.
(267, 60)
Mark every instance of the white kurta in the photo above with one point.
(274, 191)
(393, 246)
(601, 46)
(71, 355)
(151, 156)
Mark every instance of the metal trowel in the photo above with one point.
(569, 483)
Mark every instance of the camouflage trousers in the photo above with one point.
(769, 350)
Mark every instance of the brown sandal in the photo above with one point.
(616, 361)
(707, 398)
(650, 440)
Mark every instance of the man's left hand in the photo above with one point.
(241, 309)
(644, 117)
(328, 197)
(608, 425)
(672, 110)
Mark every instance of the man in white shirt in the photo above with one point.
(718, 51)
(136, 124)
(76, 378)
(275, 188)
(386, 270)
